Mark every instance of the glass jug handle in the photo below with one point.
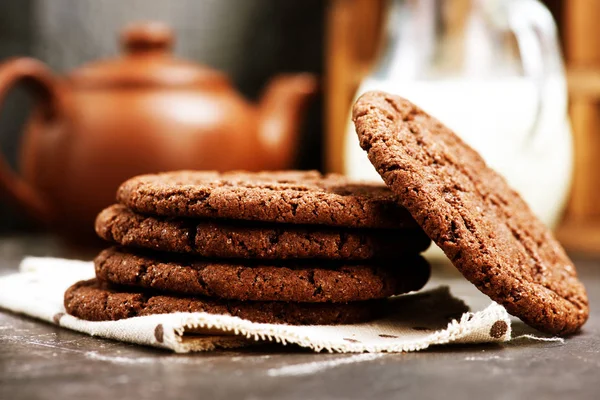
(535, 32)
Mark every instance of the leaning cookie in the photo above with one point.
(292, 197)
(484, 227)
(95, 301)
(229, 239)
(312, 282)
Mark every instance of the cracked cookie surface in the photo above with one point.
(484, 227)
(295, 197)
(231, 239)
(95, 301)
(312, 281)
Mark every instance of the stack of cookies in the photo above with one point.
(301, 248)
(280, 247)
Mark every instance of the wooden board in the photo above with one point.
(353, 30)
(581, 226)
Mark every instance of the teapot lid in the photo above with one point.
(147, 61)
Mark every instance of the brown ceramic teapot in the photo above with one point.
(144, 112)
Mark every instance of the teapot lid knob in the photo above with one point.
(142, 37)
(147, 63)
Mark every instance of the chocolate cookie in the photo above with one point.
(226, 239)
(289, 196)
(313, 283)
(484, 227)
(94, 301)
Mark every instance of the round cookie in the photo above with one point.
(95, 301)
(315, 283)
(293, 197)
(226, 239)
(484, 227)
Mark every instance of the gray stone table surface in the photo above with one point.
(42, 361)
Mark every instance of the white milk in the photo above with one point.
(496, 117)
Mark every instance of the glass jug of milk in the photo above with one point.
(492, 71)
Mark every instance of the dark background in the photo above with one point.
(251, 40)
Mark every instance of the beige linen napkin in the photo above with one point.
(411, 322)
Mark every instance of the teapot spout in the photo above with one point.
(282, 109)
